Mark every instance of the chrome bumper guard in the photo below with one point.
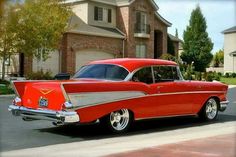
(41, 114)
(223, 105)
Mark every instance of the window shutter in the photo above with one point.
(96, 13)
(109, 15)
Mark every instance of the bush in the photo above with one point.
(168, 56)
(219, 73)
(210, 76)
(4, 82)
(233, 75)
(40, 75)
(5, 87)
(227, 75)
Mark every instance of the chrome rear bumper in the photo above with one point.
(43, 114)
(223, 105)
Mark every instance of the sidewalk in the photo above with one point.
(218, 146)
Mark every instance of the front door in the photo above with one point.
(170, 97)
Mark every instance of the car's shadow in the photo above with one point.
(96, 131)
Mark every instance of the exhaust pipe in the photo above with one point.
(28, 119)
(58, 123)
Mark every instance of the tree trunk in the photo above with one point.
(22, 62)
(3, 65)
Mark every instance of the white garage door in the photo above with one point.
(51, 64)
(86, 56)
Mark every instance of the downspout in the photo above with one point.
(123, 53)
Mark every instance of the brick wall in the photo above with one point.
(126, 19)
(76, 42)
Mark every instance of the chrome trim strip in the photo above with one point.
(14, 88)
(101, 97)
(159, 117)
(41, 114)
(190, 92)
(147, 95)
(67, 99)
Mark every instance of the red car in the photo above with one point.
(118, 91)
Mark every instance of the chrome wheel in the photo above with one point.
(120, 120)
(211, 109)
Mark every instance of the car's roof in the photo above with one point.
(134, 63)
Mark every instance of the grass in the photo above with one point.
(229, 81)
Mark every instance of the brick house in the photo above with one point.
(103, 29)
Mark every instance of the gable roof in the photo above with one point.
(162, 19)
(76, 25)
(230, 30)
(113, 2)
(174, 38)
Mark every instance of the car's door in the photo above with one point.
(169, 92)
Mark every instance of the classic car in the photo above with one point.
(116, 92)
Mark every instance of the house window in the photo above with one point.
(98, 14)
(109, 15)
(141, 22)
(102, 14)
(141, 51)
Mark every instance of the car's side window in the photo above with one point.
(143, 75)
(165, 73)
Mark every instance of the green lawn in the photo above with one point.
(229, 81)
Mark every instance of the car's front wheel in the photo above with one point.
(119, 121)
(210, 110)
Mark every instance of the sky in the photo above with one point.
(219, 14)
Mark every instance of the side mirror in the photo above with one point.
(62, 76)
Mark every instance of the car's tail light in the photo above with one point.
(67, 105)
(17, 101)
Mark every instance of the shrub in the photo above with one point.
(40, 75)
(168, 56)
(227, 75)
(4, 82)
(5, 87)
(219, 73)
(210, 76)
(233, 75)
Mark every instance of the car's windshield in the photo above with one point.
(102, 71)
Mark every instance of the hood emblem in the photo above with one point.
(46, 91)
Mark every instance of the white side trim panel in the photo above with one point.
(92, 98)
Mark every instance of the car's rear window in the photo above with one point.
(102, 71)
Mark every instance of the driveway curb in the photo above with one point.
(7, 96)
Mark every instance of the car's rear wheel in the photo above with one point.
(210, 110)
(118, 121)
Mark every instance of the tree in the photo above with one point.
(34, 28)
(176, 33)
(218, 58)
(197, 45)
(41, 26)
(7, 35)
(1, 7)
